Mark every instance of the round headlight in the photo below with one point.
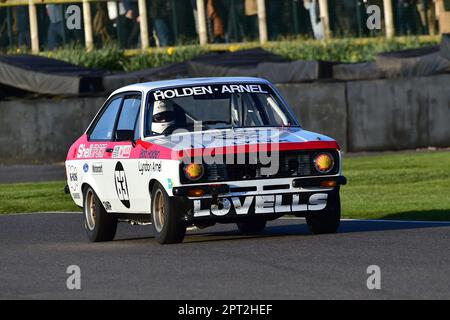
(324, 162)
(193, 171)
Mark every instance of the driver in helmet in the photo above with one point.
(163, 116)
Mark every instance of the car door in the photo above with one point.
(127, 192)
(97, 151)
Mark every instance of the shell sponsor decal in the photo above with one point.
(96, 150)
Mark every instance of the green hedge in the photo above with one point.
(339, 50)
(348, 50)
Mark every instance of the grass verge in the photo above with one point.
(412, 186)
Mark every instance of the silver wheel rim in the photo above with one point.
(158, 211)
(89, 210)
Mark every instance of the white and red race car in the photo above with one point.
(196, 152)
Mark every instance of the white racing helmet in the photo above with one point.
(163, 116)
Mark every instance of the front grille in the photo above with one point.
(291, 164)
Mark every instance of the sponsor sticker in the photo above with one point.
(73, 174)
(85, 168)
(107, 205)
(93, 151)
(76, 196)
(204, 90)
(120, 181)
(121, 152)
(169, 183)
(97, 168)
(149, 154)
(149, 166)
(264, 204)
(73, 178)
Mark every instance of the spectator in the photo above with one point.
(23, 26)
(216, 17)
(236, 21)
(195, 12)
(427, 13)
(314, 14)
(123, 15)
(132, 21)
(159, 14)
(407, 17)
(3, 27)
(251, 11)
(55, 29)
(100, 22)
(345, 21)
(274, 18)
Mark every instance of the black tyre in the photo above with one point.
(327, 220)
(166, 217)
(100, 226)
(254, 226)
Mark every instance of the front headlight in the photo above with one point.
(193, 171)
(324, 162)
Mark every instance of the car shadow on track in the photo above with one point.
(301, 229)
(296, 229)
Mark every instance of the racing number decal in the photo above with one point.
(121, 185)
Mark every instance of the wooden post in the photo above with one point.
(389, 18)
(325, 18)
(87, 18)
(143, 22)
(444, 17)
(202, 29)
(262, 21)
(34, 31)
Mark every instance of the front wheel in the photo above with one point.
(327, 220)
(100, 226)
(166, 218)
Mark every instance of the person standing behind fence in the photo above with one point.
(407, 17)
(132, 14)
(314, 14)
(217, 17)
(236, 21)
(427, 13)
(195, 12)
(251, 11)
(23, 26)
(122, 16)
(55, 28)
(159, 14)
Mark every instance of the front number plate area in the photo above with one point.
(259, 204)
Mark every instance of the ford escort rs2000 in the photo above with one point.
(196, 152)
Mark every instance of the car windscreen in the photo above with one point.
(215, 107)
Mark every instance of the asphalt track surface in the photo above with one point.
(285, 262)
(31, 173)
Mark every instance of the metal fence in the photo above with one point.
(48, 24)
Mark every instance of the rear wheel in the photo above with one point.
(99, 225)
(327, 220)
(166, 218)
(254, 226)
